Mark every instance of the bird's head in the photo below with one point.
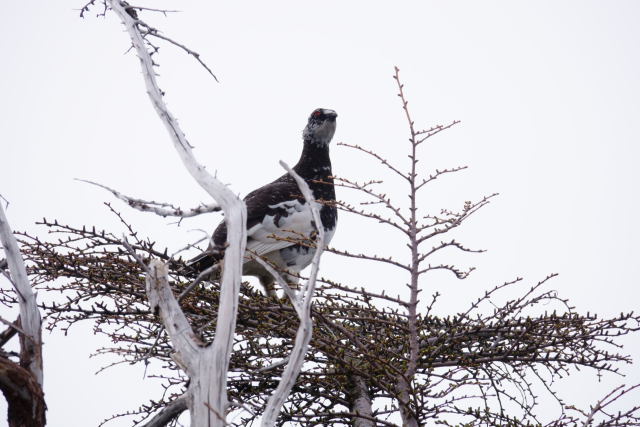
(320, 127)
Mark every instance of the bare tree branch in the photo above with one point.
(627, 418)
(303, 303)
(169, 412)
(214, 372)
(23, 388)
(361, 402)
(29, 313)
(156, 33)
(378, 157)
(158, 208)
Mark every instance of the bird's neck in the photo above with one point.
(314, 162)
(314, 167)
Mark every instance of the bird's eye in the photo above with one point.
(317, 113)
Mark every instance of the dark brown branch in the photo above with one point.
(382, 160)
(169, 413)
(10, 332)
(151, 31)
(386, 260)
(379, 197)
(23, 394)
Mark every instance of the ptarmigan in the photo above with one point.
(278, 210)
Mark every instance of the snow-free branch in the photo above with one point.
(209, 386)
(22, 384)
(302, 302)
(161, 301)
(169, 412)
(29, 314)
(159, 208)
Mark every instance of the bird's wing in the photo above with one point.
(275, 211)
(282, 226)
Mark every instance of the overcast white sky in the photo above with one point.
(548, 93)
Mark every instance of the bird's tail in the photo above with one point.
(199, 263)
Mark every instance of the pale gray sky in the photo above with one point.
(548, 93)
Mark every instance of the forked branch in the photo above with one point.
(213, 397)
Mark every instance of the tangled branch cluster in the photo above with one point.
(477, 365)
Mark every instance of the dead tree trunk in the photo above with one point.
(21, 383)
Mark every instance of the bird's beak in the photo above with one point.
(330, 114)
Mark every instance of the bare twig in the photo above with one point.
(155, 33)
(629, 417)
(378, 157)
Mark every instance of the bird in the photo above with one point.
(278, 216)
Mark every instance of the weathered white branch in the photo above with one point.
(303, 307)
(360, 402)
(158, 208)
(30, 320)
(22, 387)
(201, 363)
(162, 301)
(210, 371)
